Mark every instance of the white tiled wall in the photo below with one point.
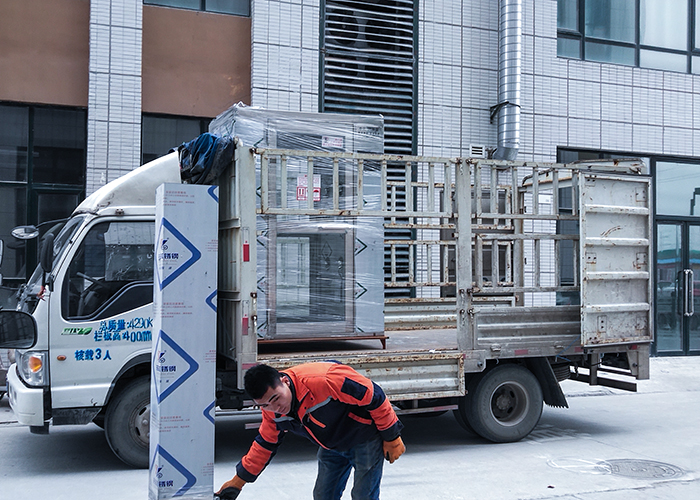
(285, 54)
(564, 103)
(114, 94)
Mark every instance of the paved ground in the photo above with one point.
(591, 451)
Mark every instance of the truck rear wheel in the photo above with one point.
(503, 404)
(127, 423)
(462, 421)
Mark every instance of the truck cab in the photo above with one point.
(91, 297)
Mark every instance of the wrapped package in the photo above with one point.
(318, 276)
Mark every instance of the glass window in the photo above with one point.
(60, 145)
(311, 274)
(237, 7)
(161, 134)
(55, 206)
(113, 256)
(182, 4)
(566, 156)
(602, 52)
(42, 175)
(697, 24)
(569, 47)
(610, 19)
(567, 14)
(664, 23)
(663, 60)
(696, 65)
(627, 32)
(668, 265)
(677, 188)
(13, 213)
(14, 130)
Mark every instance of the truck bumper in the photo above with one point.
(27, 402)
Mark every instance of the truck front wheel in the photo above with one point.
(503, 404)
(127, 423)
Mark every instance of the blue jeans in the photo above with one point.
(334, 469)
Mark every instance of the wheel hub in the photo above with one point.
(509, 403)
(504, 402)
(142, 424)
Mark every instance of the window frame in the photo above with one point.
(34, 189)
(203, 127)
(106, 307)
(202, 7)
(691, 51)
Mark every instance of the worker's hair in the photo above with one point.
(259, 379)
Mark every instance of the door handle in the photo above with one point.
(688, 303)
(691, 292)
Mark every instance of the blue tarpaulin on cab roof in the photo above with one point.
(205, 158)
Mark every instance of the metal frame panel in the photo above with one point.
(616, 281)
(502, 304)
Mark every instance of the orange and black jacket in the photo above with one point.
(333, 406)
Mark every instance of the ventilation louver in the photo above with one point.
(368, 68)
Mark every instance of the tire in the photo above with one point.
(463, 403)
(462, 421)
(504, 404)
(127, 423)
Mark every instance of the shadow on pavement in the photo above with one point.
(84, 448)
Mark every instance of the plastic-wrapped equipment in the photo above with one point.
(318, 276)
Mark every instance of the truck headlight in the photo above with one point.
(32, 367)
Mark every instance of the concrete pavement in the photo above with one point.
(609, 445)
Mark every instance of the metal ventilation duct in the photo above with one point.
(509, 62)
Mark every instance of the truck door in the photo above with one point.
(103, 315)
(615, 222)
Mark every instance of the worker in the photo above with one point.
(331, 404)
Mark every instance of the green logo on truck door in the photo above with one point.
(77, 331)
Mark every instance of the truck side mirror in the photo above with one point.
(25, 232)
(46, 256)
(17, 330)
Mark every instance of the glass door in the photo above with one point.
(677, 288)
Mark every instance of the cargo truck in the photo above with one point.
(516, 276)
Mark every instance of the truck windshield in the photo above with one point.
(28, 294)
(60, 244)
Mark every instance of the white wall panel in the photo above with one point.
(114, 90)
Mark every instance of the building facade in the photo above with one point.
(113, 83)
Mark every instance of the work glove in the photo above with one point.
(229, 493)
(394, 449)
(230, 489)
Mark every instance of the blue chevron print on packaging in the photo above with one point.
(174, 254)
(169, 475)
(171, 366)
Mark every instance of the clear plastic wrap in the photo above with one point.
(318, 276)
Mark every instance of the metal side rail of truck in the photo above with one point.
(516, 276)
